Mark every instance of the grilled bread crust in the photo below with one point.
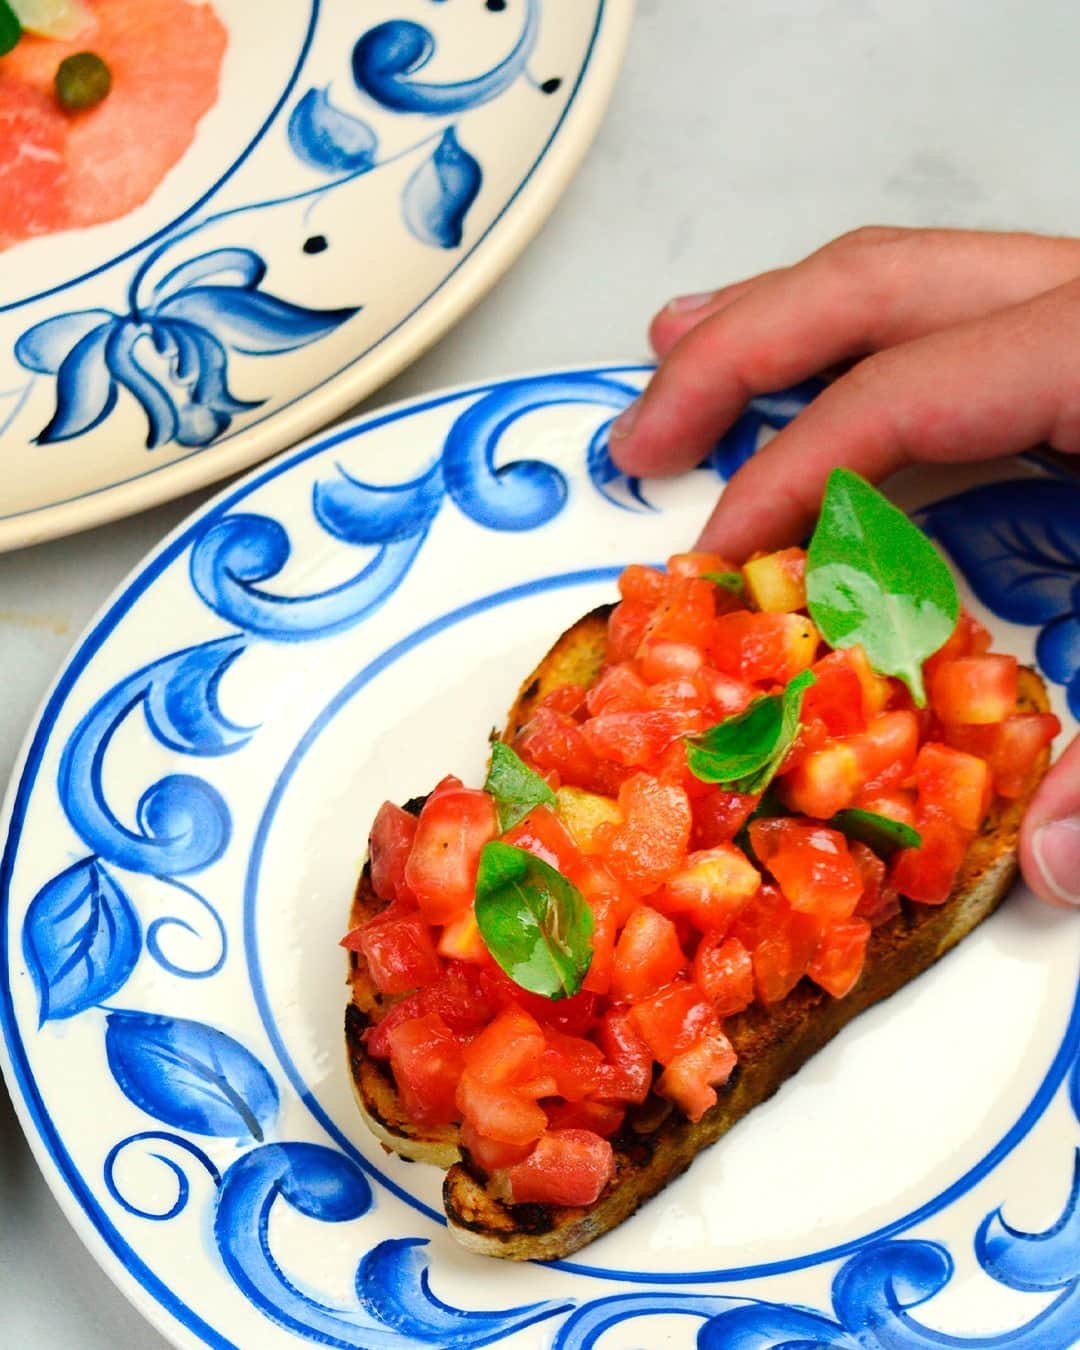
(657, 1142)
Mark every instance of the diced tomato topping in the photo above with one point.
(712, 887)
(603, 1118)
(724, 972)
(839, 957)
(665, 659)
(691, 1078)
(777, 581)
(975, 689)
(499, 1113)
(766, 912)
(969, 638)
(567, 1167)
(461, 940)
(647, 955)
(646, 585)
(492, 1154)
(673, 1019)
(392, 836)
(781, 958)
(763, 647)
(679, 694)
(553, 740)
(543, 834)
(886, 750)
(811, 863)
(928, 873)
(697, 564)
(573, 1063)
(1011, 748)
(822, 782)
(635, 738)
(508, 1050)
(626, 628)
(724, 694)
(626, 1074)
(719, 816)
(673, 767)
(618, 688)
(653, 839)
(427, 1059)
(836, 696)
(565, 698)
(453, 828)
(398, 948)
(880, 900)
(953, 782)
(686, 614)
(876, 689)
(896, 803)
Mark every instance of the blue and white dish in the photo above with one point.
(352, 192)
(182, 839)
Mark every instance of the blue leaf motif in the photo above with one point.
(85, 388)
(387, 56)
(396, 1308)
(249, 321)
(327, 138)
(439, 193)
(81, 939)
(190, 1075)
(240, 267)
(1057, 651)
(367, 513)
(44, 347)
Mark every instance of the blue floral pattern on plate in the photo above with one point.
(194, 1090)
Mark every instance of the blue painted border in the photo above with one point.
(271, 117)
(163, 468)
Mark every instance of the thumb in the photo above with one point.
(1050, 836)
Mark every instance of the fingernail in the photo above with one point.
(1056, 846)
(682, 303)
(624, 423)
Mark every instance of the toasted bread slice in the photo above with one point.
(657, 1142)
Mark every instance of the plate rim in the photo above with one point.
(502, 243)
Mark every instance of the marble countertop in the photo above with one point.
(740, 137)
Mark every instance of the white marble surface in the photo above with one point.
(740, 137)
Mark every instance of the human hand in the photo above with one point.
(964, 347)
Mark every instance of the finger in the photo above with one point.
(982, 389)
(858, 295)
(1050, 836)
(684, 312)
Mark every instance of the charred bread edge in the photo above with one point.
(657, 1143)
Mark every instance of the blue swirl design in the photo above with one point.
(81, 939)
(183, 1186)
(396, 1308)
(170, 353)
(388, 56)
(184, 824)
(190, 1075)
(1018, 544)
(440, 191)
(328, 138)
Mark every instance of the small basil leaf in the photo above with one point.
(514, 786)
(728, 581)
(873, 578)
(743, 753)
(536, 924)
(884, 835)
(10, 28)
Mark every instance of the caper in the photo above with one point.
(82, 81)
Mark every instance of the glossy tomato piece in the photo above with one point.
(885, 752)
(618, 688)
(697, 563)
(392, 836)
(679, 694)
(491, 1154)
(691, 1078)
(1019, 742)
(686, 614)
(777, 581)
(672, 767)
(627, 1072)
(812, 865)
(975, 689)
(724, 694)
(665, 659)
(712, 886)
(896, 803)
(461, 940)
(762, 647)
(574, 1015)
(427, 1058)
(724, 972)
(399, 950)
(459, 996)
(509, 1050)
(553, 740)
(719, 816)
(836, 696)
(954, 783)
(605, 930)
(969, 638)
(603, 1118)
(839, 957)
(647, 955)
(781, 958)
(499, 1113)
(767, 912)
(544, 835)
(626, 627)
(453, 828)
(635, 739)
(673, 1019)
(565, 698)
(928, 874)
(573, 1062)
(880, 900)
(653, 839)
(822, 782)
(567, 1167)
(647, 585)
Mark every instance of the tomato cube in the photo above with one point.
(508, 1051)
(712, 887)
(954, 783)
(633, 738)
(461, 940)
(724, 695)
(646, 585)
(653, 839)
(822, 782)
(499, 1113)
(583, 813)
(647, 955)
(573, 1063)
(928, 873)
(673, 1019)
(453, 828)
(975, 689)
(839, 957)
(618, 688)
(398, 948)
(812, 865)
(603, 1118)
(491, 1154)
(762, 647)
(553, 740)
(427, 1059)
(627, 1072)
(887, 748)
(876, 689)
(777, 581)
(719, 816)
(835, 698)
(665, 659)
(765, 914)
(392, 835)
(567, 1167)
(968, 638)
(687, 613)
(544, 835)
(1019, 742)
(781, 958)
(724, 972)
(691, 1078)
(880, 900)
(896, 803)
(697, 564)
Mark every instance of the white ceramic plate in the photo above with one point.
(366, 173)
(182, 840)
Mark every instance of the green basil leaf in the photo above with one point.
(536, 924)
(10, 28)
(728, 581)
(742, 753)
(874, 578)
(514, 786)
(884, 835)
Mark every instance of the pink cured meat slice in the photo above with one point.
(165, 57)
